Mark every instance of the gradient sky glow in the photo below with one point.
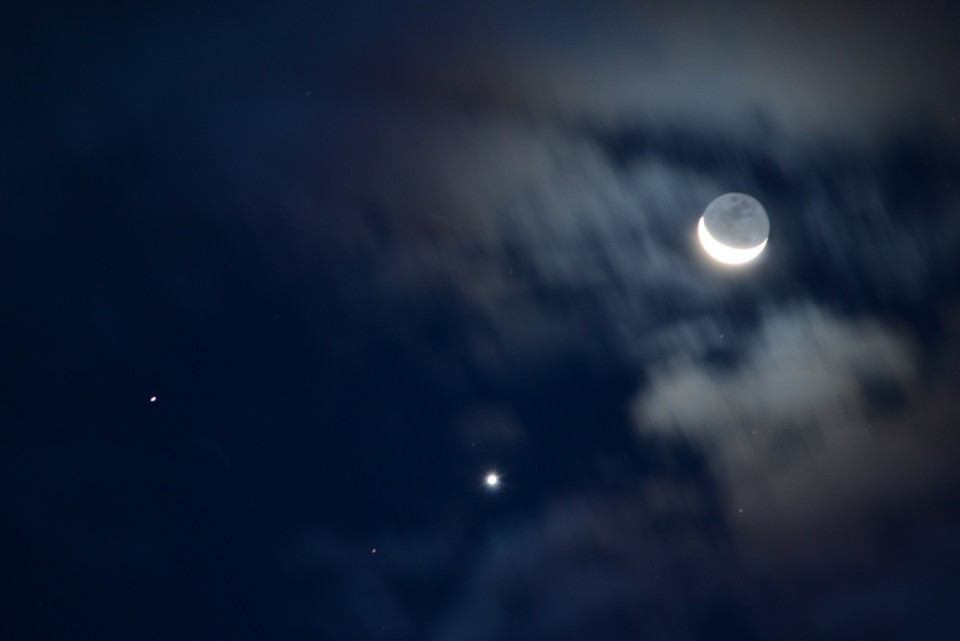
(365, 253)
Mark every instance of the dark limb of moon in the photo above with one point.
(734, 228)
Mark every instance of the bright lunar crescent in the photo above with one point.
(734, 229)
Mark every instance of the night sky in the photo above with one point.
(282, 283)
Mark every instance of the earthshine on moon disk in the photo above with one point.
(734, 229)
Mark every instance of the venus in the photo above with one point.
(734, 229)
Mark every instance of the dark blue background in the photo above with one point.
(267, 216)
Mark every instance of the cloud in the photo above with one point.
(804, 369)
(596, 565)
(475, 182)
(842, 536)
(526, 198)
(838, 504)
(546, 236)
(531, 235)
(808, 67)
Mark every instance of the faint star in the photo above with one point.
(153, 399)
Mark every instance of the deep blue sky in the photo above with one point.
(363, 253)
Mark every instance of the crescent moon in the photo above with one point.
(725, 253)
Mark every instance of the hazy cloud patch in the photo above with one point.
(805, 369)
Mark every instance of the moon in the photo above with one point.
(734, 229)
